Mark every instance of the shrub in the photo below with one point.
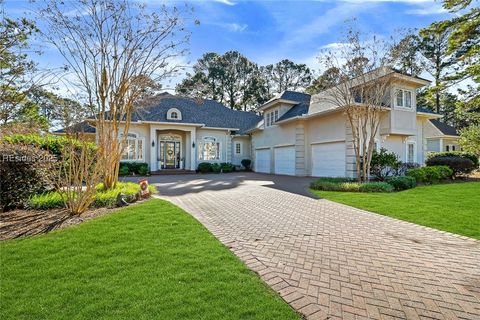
(50, 143)
(383, 163)
(215, 167)
(459, 165)
(462, 154)
(402, 182)
(329, 184)
(204, 167)
(130, 168)
(348, 185)
(25, 170)
(246, 163)
(403, 167)
(227, 167)
(123, 170)
(102, 198)
(431, 174)
(46, 201)
(376, 187)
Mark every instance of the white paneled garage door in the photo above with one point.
(284, 158)
(262, 160)
(328, 159)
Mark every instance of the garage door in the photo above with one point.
(328, 159)
(284, 159)
(262, 161)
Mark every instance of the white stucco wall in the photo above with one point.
(245, 150)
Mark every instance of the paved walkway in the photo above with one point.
(330, 260)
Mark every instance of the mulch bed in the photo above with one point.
(23, 223)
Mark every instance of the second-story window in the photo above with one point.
(399, 98)
(408, 99)
(404, 98)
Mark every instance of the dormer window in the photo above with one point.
(271, 118)
(174, 114)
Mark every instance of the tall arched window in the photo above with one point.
(209, 149)
(133, 148)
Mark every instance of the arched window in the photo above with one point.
(209, 149)
(133, 148)
(174, 114)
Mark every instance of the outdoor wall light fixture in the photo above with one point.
(193, 144)
(153, 143)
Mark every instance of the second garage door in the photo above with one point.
(262, 160)
(328, 159)
(284, 158)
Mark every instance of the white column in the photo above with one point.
(153, 150)
(441, 145)
(193, 158)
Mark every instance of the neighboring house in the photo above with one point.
(441, 137)
(303, 135)
(83, 130)
(296, 134)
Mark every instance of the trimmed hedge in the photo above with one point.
(400, 183)
(431, 174)
(130, 168)
(348, 185)
(224, 167)
(459, 165)
(461, 154)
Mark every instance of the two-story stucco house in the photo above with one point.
(295, 133)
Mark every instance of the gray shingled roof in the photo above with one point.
(425, 110)
(302, 107)
(208, 112)
(444, 128)
(81, 127)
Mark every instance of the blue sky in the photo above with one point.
(268, 31)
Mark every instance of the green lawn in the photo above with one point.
(147, 261)
(449, 207)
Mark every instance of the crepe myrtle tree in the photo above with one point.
(362, 68)
(115, 52)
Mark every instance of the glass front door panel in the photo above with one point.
(169, 154)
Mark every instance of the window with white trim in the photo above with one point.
(133, 148)
(404, 98)
(174, 114)
(209, 149)
(238, 148)
(450, 147)
(271, 117)
(411, 156)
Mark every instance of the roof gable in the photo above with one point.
(444, 128)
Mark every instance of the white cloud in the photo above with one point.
(427, 10)
(236, 27)
(233, 26)
(227, 2)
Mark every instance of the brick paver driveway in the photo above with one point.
(329, 260)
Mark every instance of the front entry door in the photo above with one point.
(170, 154)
